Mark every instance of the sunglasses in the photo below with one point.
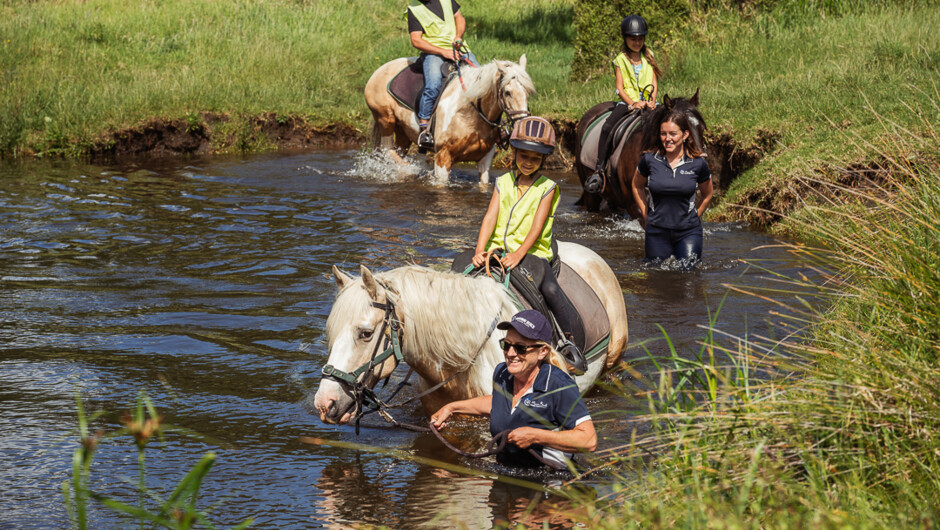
(520, 349)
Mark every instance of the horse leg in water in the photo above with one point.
(483, 166)
(443, 161)
(386, 136)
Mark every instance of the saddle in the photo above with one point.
(407, 85)
(582, 297)
(590, 142)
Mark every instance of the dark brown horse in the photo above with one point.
(644, 137)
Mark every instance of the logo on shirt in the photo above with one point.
(534, 404)
(686, 172)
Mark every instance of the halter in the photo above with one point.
(363, 395)
(500, 124)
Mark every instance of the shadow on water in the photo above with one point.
(207, 283)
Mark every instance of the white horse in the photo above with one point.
(446, 318)
(463, 119)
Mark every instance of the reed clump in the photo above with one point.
(837, 422)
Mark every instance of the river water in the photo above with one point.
(206, 282)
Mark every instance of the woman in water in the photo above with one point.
(672, 174)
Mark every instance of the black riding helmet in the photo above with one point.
(633, 26)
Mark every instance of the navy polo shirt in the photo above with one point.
(553, 403)
(672, 190)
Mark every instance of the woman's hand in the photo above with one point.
(512, 259)
(439, 418)
(525, 436)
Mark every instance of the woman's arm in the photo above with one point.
(541, 216)
(478, 406)
(708, 190)
(639, 193)
(581, 438)
(486, 229)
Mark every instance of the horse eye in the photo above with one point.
(365, 334)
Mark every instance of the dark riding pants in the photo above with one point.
(661, 243)
(603, 147)
(539, 272)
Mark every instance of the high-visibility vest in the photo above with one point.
(638, 89)
(516, 215)
(439, 32)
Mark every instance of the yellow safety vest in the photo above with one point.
(438, 32)
(516, 216)
(631, 85)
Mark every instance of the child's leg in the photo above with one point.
(603, 147)
(567, 316)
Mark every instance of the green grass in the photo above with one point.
(840, 430)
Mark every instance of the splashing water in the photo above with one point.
(381, 166)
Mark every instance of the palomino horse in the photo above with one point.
(446, 329)
(465, 120)
(618, 189)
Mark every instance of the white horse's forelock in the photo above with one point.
(480, 81)
(346, 308)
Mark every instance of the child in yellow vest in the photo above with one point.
(637, 75)
(519, 220)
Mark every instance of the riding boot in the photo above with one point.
(573, 356)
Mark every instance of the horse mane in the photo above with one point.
(446, 315)
(652, 119)
(482, 81)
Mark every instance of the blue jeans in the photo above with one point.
(683, 244)
(432, 82)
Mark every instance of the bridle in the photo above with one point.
(504, 127)
(391, 339)
(364, 396)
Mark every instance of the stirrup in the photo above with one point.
(595, 183)
(573, 356)
(425, 140)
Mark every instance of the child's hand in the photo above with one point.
(479, 258)
(512, 259)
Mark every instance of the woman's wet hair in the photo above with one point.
(682, 121)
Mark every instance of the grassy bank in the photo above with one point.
(839, 430)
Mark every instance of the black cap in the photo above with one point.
(531, 324)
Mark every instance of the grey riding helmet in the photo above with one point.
(633, 26)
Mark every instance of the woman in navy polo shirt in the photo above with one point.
(537, 400)
(672, 173)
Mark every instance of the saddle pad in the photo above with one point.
(407, 85)
(592, 138)
(585, 302)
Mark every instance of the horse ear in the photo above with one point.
(522, 61)
(694, 100)
(372, 287)
(667, 102)
(342, 279)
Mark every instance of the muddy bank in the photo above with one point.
(208, 133)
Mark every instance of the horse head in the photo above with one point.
(509, 83)
(688, 107)
(355, 337)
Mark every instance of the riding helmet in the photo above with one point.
(633, 26)
(533, 133)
